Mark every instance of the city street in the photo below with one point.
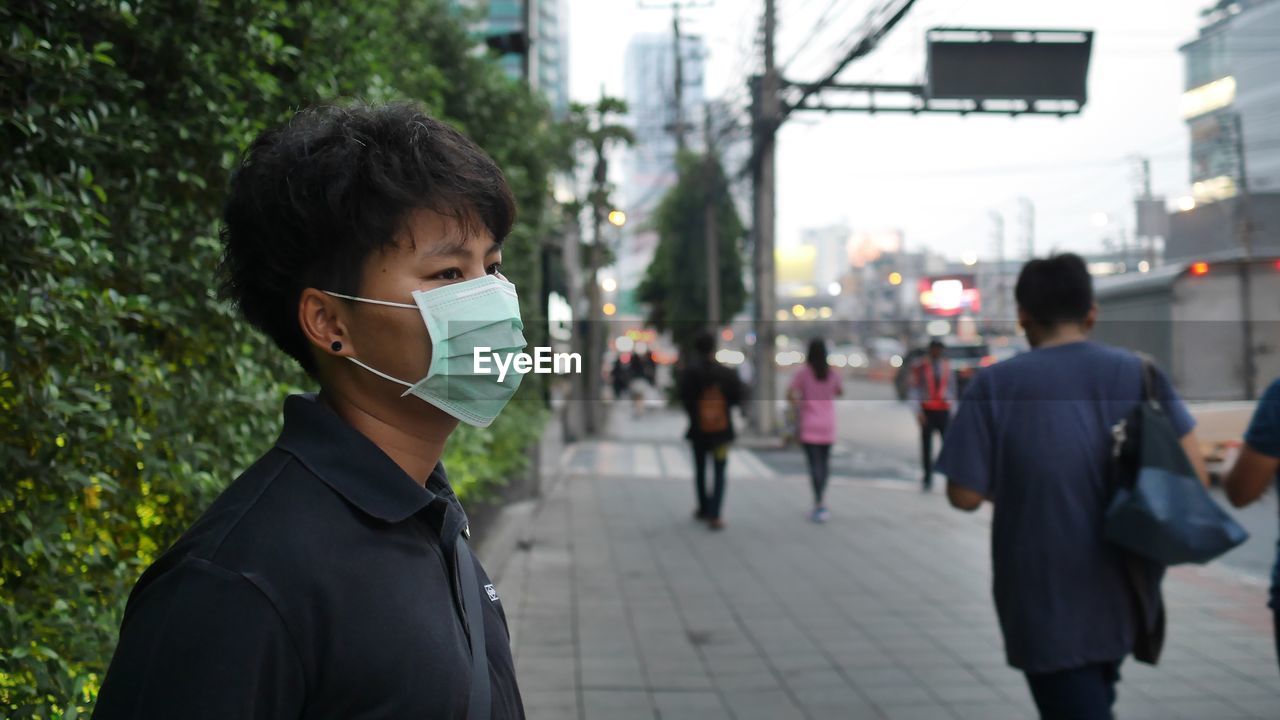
(621, 606)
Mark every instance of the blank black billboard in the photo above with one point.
(1009, 65)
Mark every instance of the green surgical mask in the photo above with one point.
(484, 312)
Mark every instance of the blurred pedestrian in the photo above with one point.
(1256, 468)
(931, 392)
(708, 390)
(333, 578)
(813, 391)
(637, 378)
(619, 377)
(1033, 435)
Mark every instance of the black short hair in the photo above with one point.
(936, 343)
(704, 344)
(1055, 290)
(816, 357)
(312, 199)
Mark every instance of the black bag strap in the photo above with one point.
(479, 707)
(1149, 375)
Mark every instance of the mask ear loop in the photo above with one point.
(385, 376)
(388, 303)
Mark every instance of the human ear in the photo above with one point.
(1091, 318)
(321, 318)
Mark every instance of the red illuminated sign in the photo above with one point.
(949, 295)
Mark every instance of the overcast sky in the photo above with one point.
(937, 178)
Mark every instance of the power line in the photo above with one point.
(818, 26)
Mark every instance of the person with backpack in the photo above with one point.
(707, 391)
(1033, 435)
(813, 391)
(932, 390)
(1256, 468)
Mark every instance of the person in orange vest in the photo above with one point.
(931, 390)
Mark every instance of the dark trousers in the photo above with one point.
(1275, 627)
(819, 457)
(709, 504)
(1083, 693)
(934, 421)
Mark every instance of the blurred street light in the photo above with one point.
(608, 285)
(1186, 203)
(969, 258)
(1100, 219)
(617, 218)
(895, 278)
(834, 289)
(610, 309)
(797, 310)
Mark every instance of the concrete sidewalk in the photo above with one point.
(622, 607)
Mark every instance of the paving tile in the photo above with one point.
(690, 706)
(617, 705)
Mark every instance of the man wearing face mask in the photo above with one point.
(333, 579)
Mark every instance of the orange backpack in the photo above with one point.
(713, 410)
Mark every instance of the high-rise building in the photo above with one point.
(1232, 108)
(649, 82)
(549, 57)
(548, 36)
(649, 169)
(831, 259)
(1232, 87)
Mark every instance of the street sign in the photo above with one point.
(986, 64)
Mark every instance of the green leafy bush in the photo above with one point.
(129, 394)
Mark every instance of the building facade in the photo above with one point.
(1232, 99)
(1232, 108)
(546, 64)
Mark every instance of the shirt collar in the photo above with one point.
(353, 466)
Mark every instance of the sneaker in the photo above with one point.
(699, 515)
(715, 524)
(820, 515)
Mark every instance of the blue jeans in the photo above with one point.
(1083, 693)
(709, 503)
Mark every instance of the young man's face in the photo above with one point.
(433, 251)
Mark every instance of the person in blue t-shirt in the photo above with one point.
(1033, 436)
(1256, 468)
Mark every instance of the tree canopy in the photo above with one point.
(675, 283)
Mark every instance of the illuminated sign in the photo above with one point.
(1208, 97)
(949, 295)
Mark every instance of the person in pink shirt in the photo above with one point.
(814, 390)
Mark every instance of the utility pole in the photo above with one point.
(710, 229)
(997, 234)
(1144, 235)
(678, 129)
(1244, 229)
(1028, 225)
(675, 32)
(765, 124)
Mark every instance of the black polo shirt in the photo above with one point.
(316, 586)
